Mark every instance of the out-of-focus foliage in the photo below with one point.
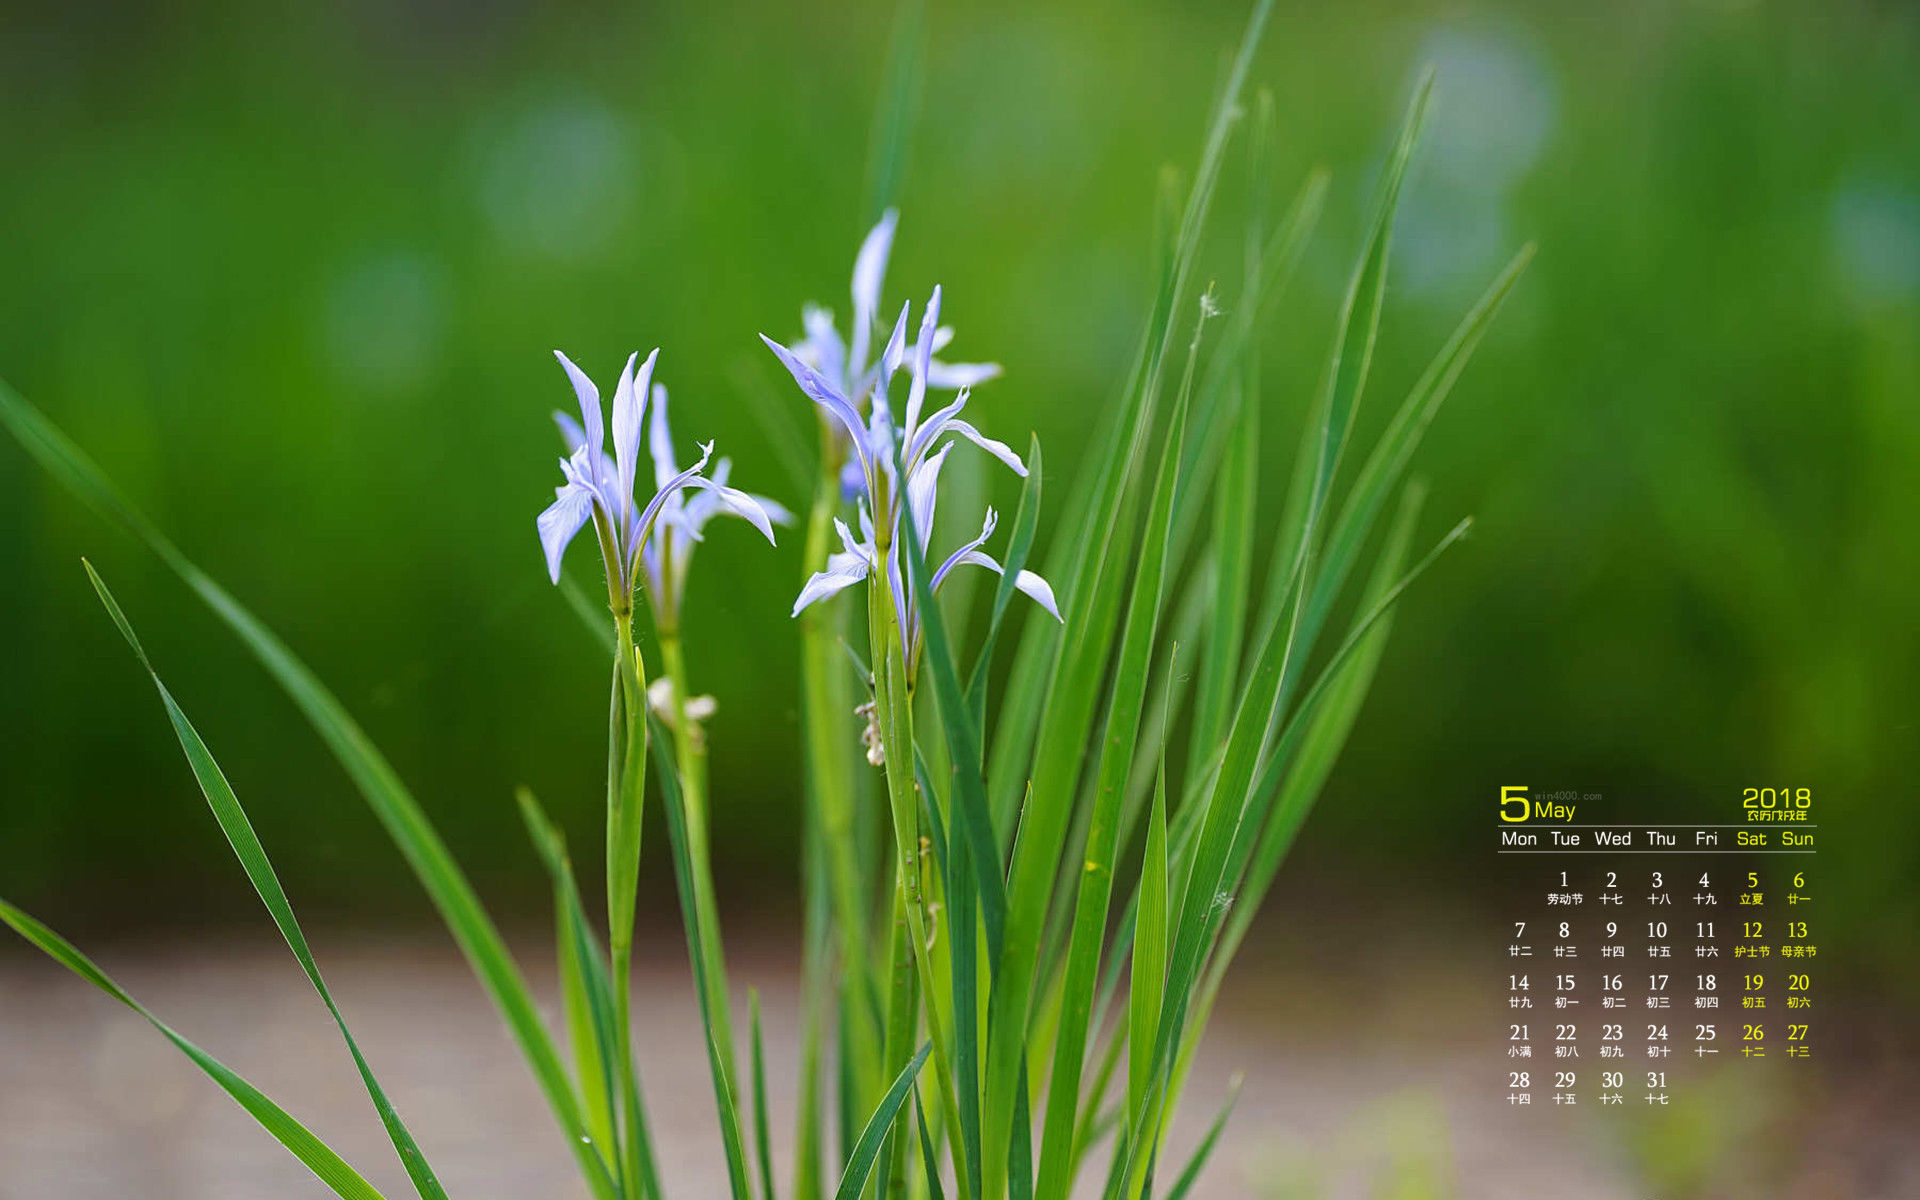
(293, 273)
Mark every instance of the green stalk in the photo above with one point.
(691, 754)
(894, 700)
(815, 991)
(626, 789)
(831, 784)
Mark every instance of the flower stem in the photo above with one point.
(626, 789)
(893, 697)
(690, 755)
(832, 784)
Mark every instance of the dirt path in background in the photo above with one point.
(1379, 1079)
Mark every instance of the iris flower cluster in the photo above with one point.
(892, 468)
(656, 538)
(843, 362)
(885, 453)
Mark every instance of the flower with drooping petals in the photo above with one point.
(883, 455)
(844, 363)
(598, 487)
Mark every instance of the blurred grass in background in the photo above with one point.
(293, 276)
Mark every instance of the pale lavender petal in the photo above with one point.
(942, 338)
(954, 559)
(562, 519)
(660, 438)
(589, 396)
(580, 470)
(958, 375)
(896, 351)
(869, 271)
(922, 355)
(651, 563)
(825, 351)
(848, 545)
(1034, 586)
(853, 481)
(880, 429)
(923, 491)
(643, 526)
(738, 503)
(999, 450)
(822, 393)
(697, 511)
(1040, 592)
(923, 437)
(843, 571)
(776, 512)
(626, 426)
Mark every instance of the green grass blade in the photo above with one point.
(1095, 877)
(725, 1091)
(1233, 576)
(1388, 462)
(817, 990)
(1259, 712)
(1276, 819)
(1196, 930)
(253, 859)
(762, 1139)
(1145, 997)
(1324, 437)
(1204, 1150)
(929, 1158)
(587, 997)
(1093, 609)
(893, 116)
(1020, 1149)
(1353, 355)
(372, 774)
(1278, 263)
(319, 1158)
(958, 857)
(860, 1163)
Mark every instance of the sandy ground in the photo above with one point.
(1382, 1077)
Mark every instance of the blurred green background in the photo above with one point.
(293, 275)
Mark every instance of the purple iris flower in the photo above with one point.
(599, 487)
(845, 365)
(883, 453)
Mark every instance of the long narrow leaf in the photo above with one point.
(253, 859)
(587, 995)
(1093, 607)
(860, 1164)
(316, 1154)
(725, 1091)
(370, 771)
(1095, 888)
(1149, 956)
(762, 1140)
(1204, 1150)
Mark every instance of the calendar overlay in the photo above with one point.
(1642, 950)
